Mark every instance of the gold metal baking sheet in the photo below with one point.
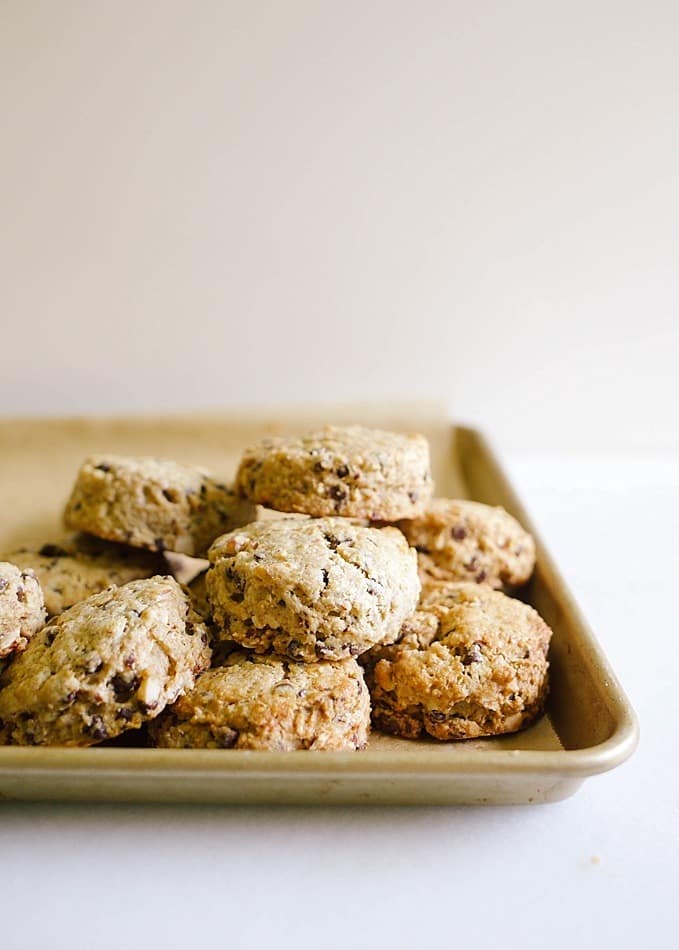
(589, 726)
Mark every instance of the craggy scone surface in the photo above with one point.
(468, 541)
(267, 702)
(22, 611)
(353, 472)
(470, 662)
(106, 665)
(73, 569)
(312, 588)
(153, 503)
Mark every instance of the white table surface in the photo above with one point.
(601, 868)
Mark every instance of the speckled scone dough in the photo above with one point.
(107, 665)
(22, 611)
(152, 503)
(312, 589)
(471, 662)
(352, 472)
(266, 702)
(468, 541)
(75, 568)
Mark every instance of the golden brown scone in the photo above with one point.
(107, 665)
(460, 540)
(311, 588)
(153, 503)
(352, 471)
(471, 662)
(72, 569)
(267, 702)
(22, 610)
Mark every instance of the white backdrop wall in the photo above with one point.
(244, 203)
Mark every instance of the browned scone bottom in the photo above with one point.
(459, 540)
(267, 702)
(470, 662)
(311, 588)
(349, 471)
(153, 503)
(105, 666)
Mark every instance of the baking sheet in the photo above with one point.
(589, 725)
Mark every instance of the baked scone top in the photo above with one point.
(312, 588)
(349, 471)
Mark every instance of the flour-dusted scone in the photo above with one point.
(471, 662)
(353, 472)
(312, 588)
(267, 702)
(461, 540)
(22, 610)
(73, 569)
(107, 665)
(153, 503)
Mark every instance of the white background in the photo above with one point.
(245, 203)
(209, 203)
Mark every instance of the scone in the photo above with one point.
(107, 665)
(22, 610)
(467, 541)
(471, 662)
(266, 702)
(311, 588)
(353, 472)
(73, 569)
(153, 503)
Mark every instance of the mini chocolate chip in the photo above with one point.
(332, 542)
(473, 655)
(123, 687)
(413, 496)
(258, 557)
(97, 729)
(481, 576)
(103, 467)
(21, 595)
(459, 532)
(326, 577)
(318, 467)
(281, 603)
(436, 716)
(237, 597)
(338, 493)
(225, 737)
(342, 471)
(52, 550)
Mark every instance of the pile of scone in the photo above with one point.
(337, 590)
